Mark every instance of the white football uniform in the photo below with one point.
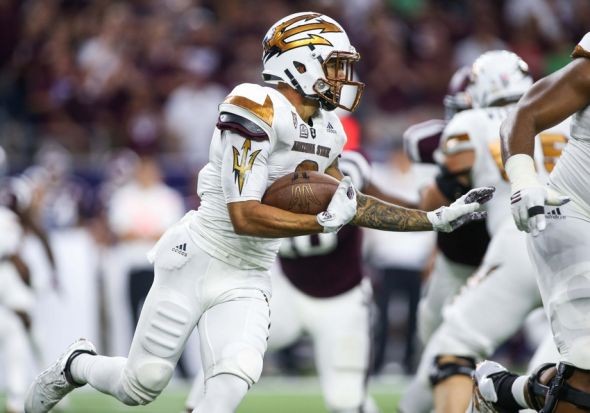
(205, 274)
(496, 300)
(561, 252)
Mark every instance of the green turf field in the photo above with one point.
(274, 395)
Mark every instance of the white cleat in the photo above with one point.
(53, 384)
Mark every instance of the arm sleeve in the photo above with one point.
(244, 171)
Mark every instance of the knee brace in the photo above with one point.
(447, 366)
(547, 385)
(241, 360)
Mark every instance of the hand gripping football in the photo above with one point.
(304, 192)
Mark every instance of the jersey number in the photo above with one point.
(309, 245)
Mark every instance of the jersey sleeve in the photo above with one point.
(456, 136)
(356, 166)
(421, 140)
(249, 111)
(244, 171)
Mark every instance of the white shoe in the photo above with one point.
(53, 384)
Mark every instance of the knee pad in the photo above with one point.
(241, 360)
(549, 384)
(447, 366)
(147, 382)
(344, 398)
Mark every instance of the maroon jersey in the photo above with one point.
(324, 265)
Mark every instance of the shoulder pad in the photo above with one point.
(456, 137)
(422, 140)
(241, 125)
(583, 48)
(251, 101)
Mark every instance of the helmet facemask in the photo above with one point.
(338, 89)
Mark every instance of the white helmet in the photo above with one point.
(457, 98)
(498, 75)
(297, 50)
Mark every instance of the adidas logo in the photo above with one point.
(181, 249)
(330, 128)
(554, 214)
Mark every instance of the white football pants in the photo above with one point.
(561, 255)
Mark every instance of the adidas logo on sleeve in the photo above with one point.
(181, 249)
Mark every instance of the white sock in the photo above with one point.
(223, 394)
(518, 391)
(101, 372)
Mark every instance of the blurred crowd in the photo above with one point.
(105, 105)
(94, 75)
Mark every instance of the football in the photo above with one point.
(304, 192)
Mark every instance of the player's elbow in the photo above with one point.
(240, 219)
(241, 227)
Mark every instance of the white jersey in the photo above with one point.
(255, 166)
(571, 173)
(479, 130)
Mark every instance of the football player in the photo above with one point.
(319, 289)
(16, 301)
(212, 268)
(559, 243)
(460, 252)
(503, 291)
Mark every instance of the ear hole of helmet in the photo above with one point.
(300, 67)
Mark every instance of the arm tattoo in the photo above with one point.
(373, 213)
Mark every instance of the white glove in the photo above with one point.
(488, 376)
(462, 211)
(529, 196)
(483, 380)
(342, 207)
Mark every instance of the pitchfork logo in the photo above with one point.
(242, 165)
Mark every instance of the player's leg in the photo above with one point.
(196, 392)
(14, 345)
(444, 283)
(560, 254)
(546, 352)
(340, 329)
(489, 310)
(169, 315)
(285, 320)
(233, 333)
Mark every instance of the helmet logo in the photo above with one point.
(277, 42)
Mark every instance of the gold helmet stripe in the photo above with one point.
(278, 43)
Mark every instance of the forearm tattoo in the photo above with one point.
(373, 213)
